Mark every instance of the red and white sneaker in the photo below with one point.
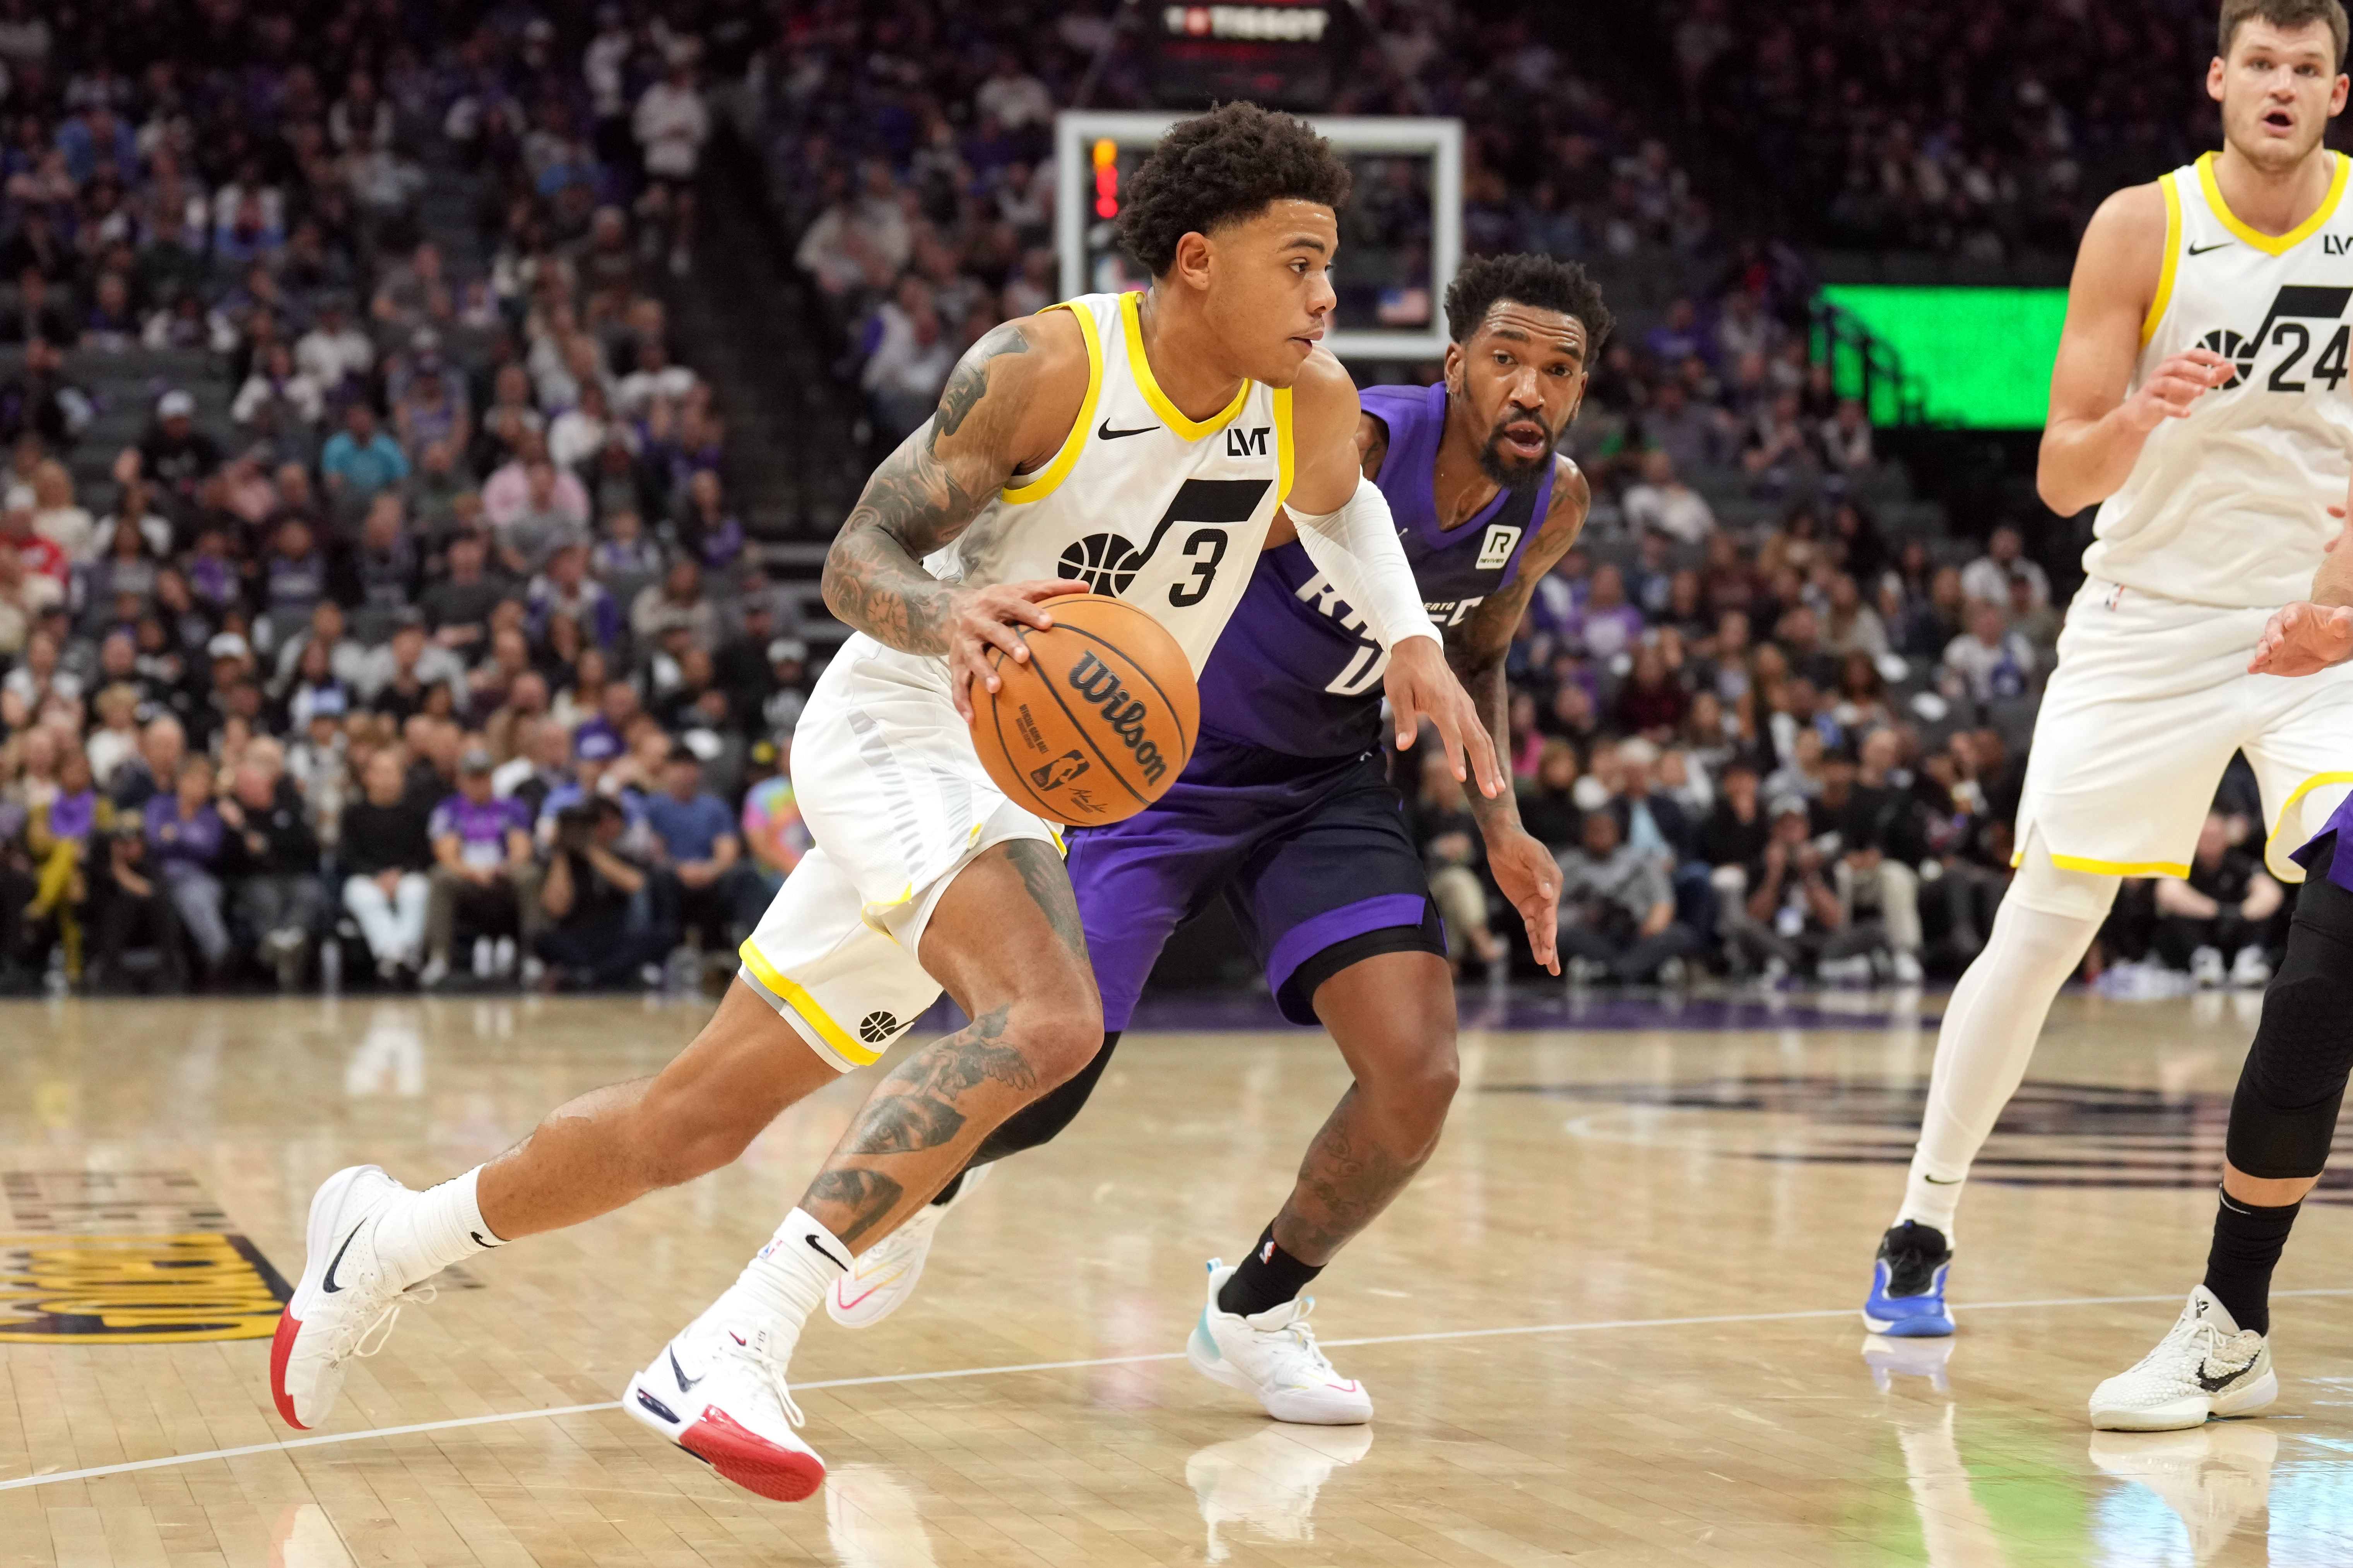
(349, 1290)
(1274, 1357)
(882, 1278)
(718, 1391)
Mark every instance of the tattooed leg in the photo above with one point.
(1005, 943)
(1393, 1018)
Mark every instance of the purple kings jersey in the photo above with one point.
(1297, 670)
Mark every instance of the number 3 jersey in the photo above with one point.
(1167, 512)
(1299, 672)
(2228, 507)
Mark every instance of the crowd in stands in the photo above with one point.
(433, 644)
(1981, 131)
(912, 158)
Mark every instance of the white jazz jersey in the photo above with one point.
(2228, 507)
(1141, 503)
(1166, 512)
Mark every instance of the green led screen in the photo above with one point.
(1980, 357)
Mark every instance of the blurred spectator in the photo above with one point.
(1989, 662)
(482, 852)
(360, 458)
(1454, 852)
(1988, 577)
(385, 854)
(185, 836)
(702, 884)
(272, 865)
(594, 933)
(1617, 911)
(2224, 912)
(1664, 502)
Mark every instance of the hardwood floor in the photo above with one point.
(1612, 1324)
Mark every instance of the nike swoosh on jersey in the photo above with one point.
(2203, 250)
(1108, 434)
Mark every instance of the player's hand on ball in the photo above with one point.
(984, 618)
(1420, 686)
(2302, 638)
(1530, 878)
(2174, 385)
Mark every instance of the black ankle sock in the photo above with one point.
(2247, 1244)
(1268, 1277)
(955, 1183)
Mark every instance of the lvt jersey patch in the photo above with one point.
(92, 1257)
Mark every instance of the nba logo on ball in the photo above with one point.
(1097, 722)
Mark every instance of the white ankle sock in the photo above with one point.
(791, 1274)
(431, 1230)
(1931, 1203)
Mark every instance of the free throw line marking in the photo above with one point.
(292, 1443)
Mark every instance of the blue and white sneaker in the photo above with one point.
(1907, 1285)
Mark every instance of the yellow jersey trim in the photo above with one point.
(1283, 443)
(1042, 483)
(2149, 323)
(2272, 244)
(843, 1042)
(1131, 314)
(2318, 781)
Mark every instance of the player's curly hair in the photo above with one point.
(1535, 280)
(1227, 165)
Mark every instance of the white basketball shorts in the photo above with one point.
(897, 804)
(2150, 699)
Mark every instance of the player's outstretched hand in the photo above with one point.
(984, 618)
(1421, 687)
(2177, 383)
(1530, 878)
(2302, 639)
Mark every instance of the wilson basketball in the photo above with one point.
(1098, 723)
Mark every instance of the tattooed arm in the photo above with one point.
(1523, 868)
(1006, 410)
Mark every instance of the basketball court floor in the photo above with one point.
(1612, 1324)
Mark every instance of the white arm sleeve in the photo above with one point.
(1356, 547)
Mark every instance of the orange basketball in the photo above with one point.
(1098, 723)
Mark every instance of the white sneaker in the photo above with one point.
(2205, 1365)
(348, 1290)
(2249, 972)
(1908, 967)
(1274, 1355)
(2206, 967)
(485, 957)
(434, 974)
(503, 957)
(1855, 970)
(718, 1391)
(882, 1278)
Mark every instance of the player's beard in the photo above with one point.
(1506, 469)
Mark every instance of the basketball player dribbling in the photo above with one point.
(1165, 433)
(1287, 813)
(2201, 397)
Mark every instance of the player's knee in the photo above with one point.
(680, 1137)
(1411, 1089)
(1058, 1036)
